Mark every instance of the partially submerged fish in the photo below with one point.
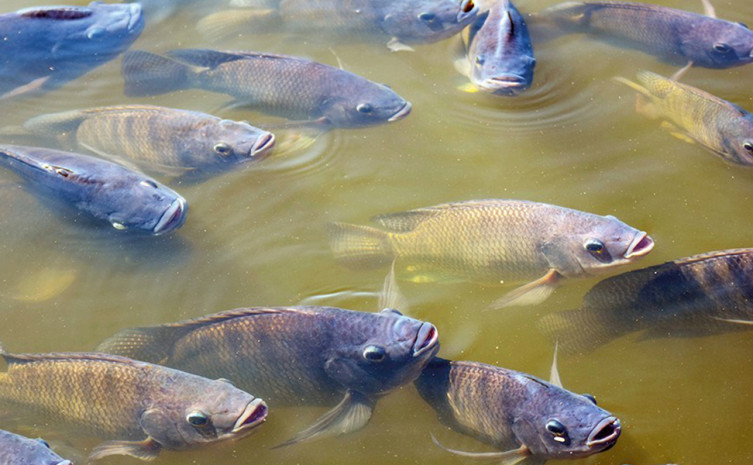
(42, 48)
(675, 36)
(19, 450)
(295, 356)
(696, 116)
(158, 139)
(493, 241)
(519, 414)
(499, 54)
(700, 295)
(138, 407)
(405, 22)
(126, 199)
(291, 87)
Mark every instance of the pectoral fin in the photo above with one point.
(510, 457)
(675, 131)
(351, 414)
(468, 87)
(737, 322)
(396, 46)
(681, 72)
(708, 8)
(532, 293)
(148, 449)
(391, 297)
(33, 86)
(554, 372)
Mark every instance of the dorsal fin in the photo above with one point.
(17, 359)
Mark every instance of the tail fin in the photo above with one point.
(582, 330)
(148, 74)
(360, 246)
(150, 344)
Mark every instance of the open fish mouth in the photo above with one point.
(641, 245)
(263, 146)
(401, 113)
(605, 434)
(254, 415)
(426, 339)
(173, 218)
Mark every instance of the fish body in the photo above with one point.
(516, 412)
(499, 54)
(157, 138)
(139, 407)
(104, 190)
(418, 21)
(293, 355)
(492, 241)
(19, 450)
(287, 86)
(699, 295)
(722, 127)
(42, 48)
(675, 36)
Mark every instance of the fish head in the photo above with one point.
(426, 20)
(738, 141)
(381, 352)
(588, 244)
(229, 142)
(362, 103)
(554, 423)
(719, 44)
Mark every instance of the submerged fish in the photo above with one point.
(675, 36)
(493, 241)
(42, 48)
(499, 54)
(139, 407)
(414, 21)
(521, 415)
(287, 86)
(164, 140)
(105, 190)
(696, 116)
(700, 295)
(295, 356)
(18, 450)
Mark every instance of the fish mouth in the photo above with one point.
(605, 434)
(401, 113)
(426, 339)
(134, 21)
(263, 145)
(173, 218)
(641, 245)
(254, 415)
(468, 9)
(510, 84)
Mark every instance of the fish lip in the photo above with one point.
(254, 415)
(595, 439)
(402, 112)
(642, 244)
(507, 84)
(426, 339)
(263, 146)
(172, 219)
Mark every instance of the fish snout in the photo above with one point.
(173, 218)
(401, 113)
(510, 84)
(254, 414)
(468, 9)
(263, 146)
(426, 339)
(605, 434)
(642, 244)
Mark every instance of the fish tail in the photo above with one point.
(150, 344)
(582, 330)
(360, 246)
(228, 23)
(148, 74)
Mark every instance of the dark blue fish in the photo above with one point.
(42, 48)
(126, 199)
(18, 450)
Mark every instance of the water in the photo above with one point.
(258, 237)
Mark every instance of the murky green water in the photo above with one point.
(258, 237)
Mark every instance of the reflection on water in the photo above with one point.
(257, 236)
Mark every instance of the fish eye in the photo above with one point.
(148, 183)
(722, 48)
(364, 108)
(480, 60)
(594, 246)
(748, 146)
(222, 149)
(557, 430)
(591, 398)
(197, 418)
(374, 353)
(95, 33)
(63, 172)
(427, 17)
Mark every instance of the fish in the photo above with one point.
(158, 139)
(139, 408)
(498, 51)
(675, 36)
(293, 356)
(403, 22)
(493, 241)
(696, 116)
(522, 416)
(701, 295)
(20, 450)
(104, 190)
(42, 48)
(291, 87)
